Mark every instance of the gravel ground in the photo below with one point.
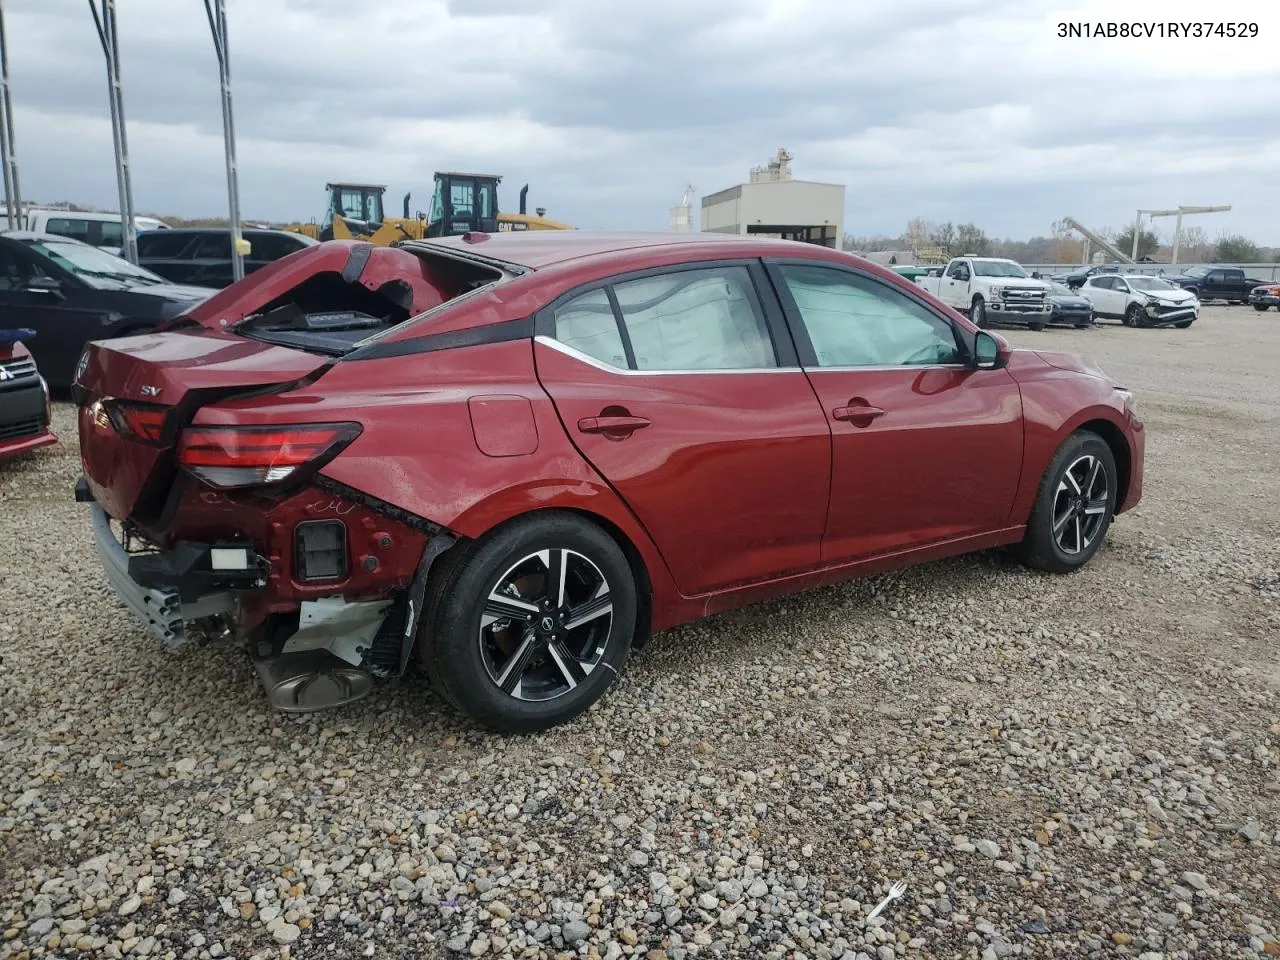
(1057, 766)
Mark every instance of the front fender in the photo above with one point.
(1056, 402)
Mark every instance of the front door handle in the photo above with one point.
(859, 412)
(612, 425)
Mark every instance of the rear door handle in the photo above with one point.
(612, 424)
(857, 411)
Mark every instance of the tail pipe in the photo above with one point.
(524, 193)
(406, 205)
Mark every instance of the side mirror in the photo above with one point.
(988, 352)
(49, 285)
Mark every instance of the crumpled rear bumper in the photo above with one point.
(162, 610)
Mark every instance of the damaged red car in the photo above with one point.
(516, 456)
(25, 412)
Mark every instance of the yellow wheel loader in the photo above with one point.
(462, 202)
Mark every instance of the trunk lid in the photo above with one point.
(281, 324)
(177, 371)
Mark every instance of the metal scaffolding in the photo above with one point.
(217, 14)
(105, 21)
(9, 158)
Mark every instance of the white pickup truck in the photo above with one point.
(987, 288)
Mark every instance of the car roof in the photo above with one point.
(43, 237)
(179, 231)
(534, 249)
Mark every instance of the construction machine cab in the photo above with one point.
(463, 202)
(360, 204)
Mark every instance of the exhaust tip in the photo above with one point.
(316, 680)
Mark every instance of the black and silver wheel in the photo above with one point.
(530, 625)
(1134, 316)
(1074, 506)
(978, 312)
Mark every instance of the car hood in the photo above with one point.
(1169, 296)
(1062, 300)
(1075, 363)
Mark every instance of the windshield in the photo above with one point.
(1062, 290)
(1198, 272)
(96, 267)
(1150, 283)
(998, 268)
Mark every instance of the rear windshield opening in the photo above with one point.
(328, 314)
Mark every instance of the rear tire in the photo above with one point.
(1067, 525)
(522, 665)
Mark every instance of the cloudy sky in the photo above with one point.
(968, 110)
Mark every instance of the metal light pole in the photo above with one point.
(217, 14)
(105, 21)
(12, 194)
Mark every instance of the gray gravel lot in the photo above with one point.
(1069, 767)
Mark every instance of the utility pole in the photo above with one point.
(217, 14)
(105, 21)
(12, 194)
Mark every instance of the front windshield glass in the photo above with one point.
(94, 266)
(1149, 283)
(998, 268)
(1062, 290)
(1198, 272)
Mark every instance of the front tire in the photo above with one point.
(1183, 324)
(529, 626)
(978, 312)
(1074, 505)
(1260, 307)
(1133, 316)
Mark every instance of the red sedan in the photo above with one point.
(24, 398)
(521, 454)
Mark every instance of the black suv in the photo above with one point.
(202, 255)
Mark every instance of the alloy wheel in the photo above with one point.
(545, 624)
(1080, 504)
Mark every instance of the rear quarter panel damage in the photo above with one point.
(419, 440)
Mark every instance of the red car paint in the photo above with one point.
(11, 352)
(740, 488)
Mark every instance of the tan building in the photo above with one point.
(772, 204)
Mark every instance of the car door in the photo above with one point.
(681, 388)
(39, 297)
(925, 448)
(955, 285)
(1098, 290)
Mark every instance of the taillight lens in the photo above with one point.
(142, 421)
(228, 457)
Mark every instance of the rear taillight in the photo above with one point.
(252, 456)
(141, 421)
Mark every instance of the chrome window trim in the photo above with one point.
(609, 368)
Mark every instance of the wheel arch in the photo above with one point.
(650, 572)
(1115, 439)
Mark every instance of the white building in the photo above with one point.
(772, 204)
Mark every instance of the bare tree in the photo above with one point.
(1195, 242)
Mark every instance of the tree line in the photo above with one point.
(1062, 245)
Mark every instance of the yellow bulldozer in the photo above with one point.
(461, 203)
